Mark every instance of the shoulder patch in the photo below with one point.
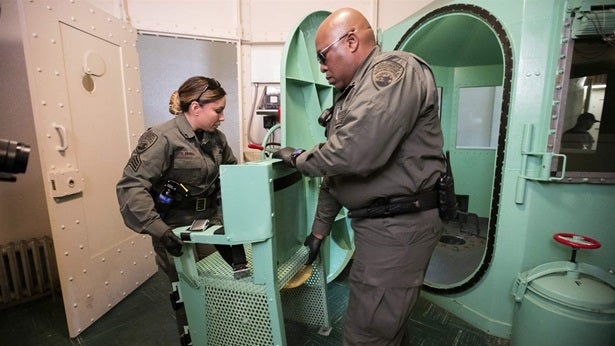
(385, 73)
(134, 162)
(146, 141)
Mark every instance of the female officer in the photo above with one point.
(172, 175)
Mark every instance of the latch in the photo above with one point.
(541, 171)
(65, 183)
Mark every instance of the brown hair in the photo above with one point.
(174, 107)
(205, 89)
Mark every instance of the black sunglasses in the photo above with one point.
(211, 82)
(321, 55)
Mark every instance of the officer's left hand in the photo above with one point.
(285, 154)
(313, 244)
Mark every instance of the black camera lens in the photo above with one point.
(13, 156)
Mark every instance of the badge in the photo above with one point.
(385, 73)
(146, 141)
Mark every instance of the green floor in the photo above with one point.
(145, 318)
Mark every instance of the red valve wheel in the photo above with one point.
(576, 241)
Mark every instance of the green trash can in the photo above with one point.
(564, 303)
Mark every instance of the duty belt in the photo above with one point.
(196, 203)
(385, 207)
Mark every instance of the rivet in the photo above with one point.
(66, 253)
(35, 35)
(44, 103)
(38, 69)
(70, 278)
(103, 259)
(73, 19)
(93, 27)
(88, 295)
(123, 293)
(106, 283)
(77, 222)
(91, 11)
(145, 256)
(62, 226)
(53, 41)
(74, 305)
(61, 105)
(49, 8)
(119, 250)
(81, 246)
(134, 263)
(121, 272)
(85, 271)
(56, 73)
(108, 305)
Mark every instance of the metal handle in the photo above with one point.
(63, 138)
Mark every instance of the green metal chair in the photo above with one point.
(264, 209)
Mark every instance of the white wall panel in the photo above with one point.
(391, 12)
(272, 20)
(203, 18)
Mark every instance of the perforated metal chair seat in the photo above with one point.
(214, 267)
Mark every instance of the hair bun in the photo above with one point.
(174, 106)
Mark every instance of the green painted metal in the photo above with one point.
(528, 213)
(564, 303)
(270, 223)
(464, 48)
(305, 93)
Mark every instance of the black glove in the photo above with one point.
(313, 244)
(285, 155)
(288, 155)
(172, 243)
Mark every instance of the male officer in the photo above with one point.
(382, 160)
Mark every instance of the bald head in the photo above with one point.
(345, 38)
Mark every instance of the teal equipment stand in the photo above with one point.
(265, 210)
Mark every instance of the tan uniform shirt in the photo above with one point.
(384, 138)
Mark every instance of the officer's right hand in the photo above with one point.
(285, 154)
(313, 245)
(172, 243)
